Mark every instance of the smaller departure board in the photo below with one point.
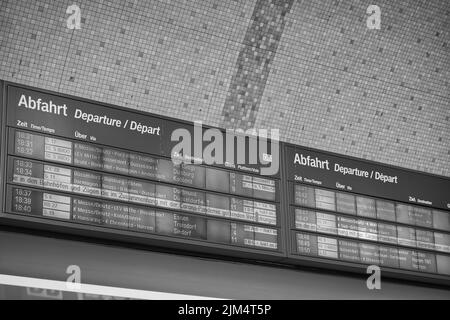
(339, 211)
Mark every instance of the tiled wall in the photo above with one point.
(310, 68)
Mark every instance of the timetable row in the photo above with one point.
(345, 226)
(96, 157)
(362, 206)
(135, 218)
(84, 182)
(371, 254)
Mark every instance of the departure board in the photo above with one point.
(85, 168)
(354, 213)
(77, 162)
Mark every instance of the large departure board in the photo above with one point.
(85, 168)
(79, 163)
(354, 212)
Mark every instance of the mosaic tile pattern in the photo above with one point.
(329, 82)
(253, 65)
